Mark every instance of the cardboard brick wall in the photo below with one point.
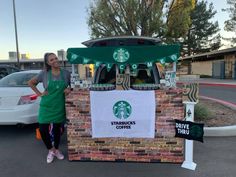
(163, 148)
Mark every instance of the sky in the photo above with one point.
(51, 25)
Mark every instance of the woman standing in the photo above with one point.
(56, 82)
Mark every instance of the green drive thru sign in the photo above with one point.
(123, 55)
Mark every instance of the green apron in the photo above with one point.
(52, 105)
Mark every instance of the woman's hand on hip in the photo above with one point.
(67, 91)
(43, 93)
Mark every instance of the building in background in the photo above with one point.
(61, 54)
(25, 56)
(12, 55)
(220, 64)
(27, 63)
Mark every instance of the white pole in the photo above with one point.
(73, 76)
(16, 35)
(73, 69)
(188, 162)
(174, 67)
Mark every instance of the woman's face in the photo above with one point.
(53, 61)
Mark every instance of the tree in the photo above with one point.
(126, 17)
(178, 19)
(203, 34)
(186, 20)
(230, 25)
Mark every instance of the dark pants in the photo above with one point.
(44, 131)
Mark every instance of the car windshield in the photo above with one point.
(142, 76)
(16, 80)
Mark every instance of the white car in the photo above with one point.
(18, 102)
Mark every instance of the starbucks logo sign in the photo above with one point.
(121, 55)
(122, 109)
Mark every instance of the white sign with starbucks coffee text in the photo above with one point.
(128, 114)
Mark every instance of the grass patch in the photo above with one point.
(201, 112)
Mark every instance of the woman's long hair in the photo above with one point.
(47, 67)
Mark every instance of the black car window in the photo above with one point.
(3, 72)
(142, 76)
(122, 42)
(107, 76)
(12, 70)
(16, 80)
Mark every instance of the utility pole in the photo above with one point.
(17, 48)
(63, 64)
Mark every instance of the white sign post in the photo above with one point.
(188, 162)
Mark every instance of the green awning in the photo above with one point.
(122, 55)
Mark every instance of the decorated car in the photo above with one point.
(127, 62)
(124, 115)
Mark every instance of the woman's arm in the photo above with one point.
(33, 83)
(68, 89)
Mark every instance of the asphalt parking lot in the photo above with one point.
(22, 155)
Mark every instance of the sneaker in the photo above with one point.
(59, 155)
(50, 156)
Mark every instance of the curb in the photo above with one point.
(225, 103)
(218, 84)
(205, 83)
(220, 131)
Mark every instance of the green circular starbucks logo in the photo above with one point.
(122, 109)
(74, 57)
(121, 55)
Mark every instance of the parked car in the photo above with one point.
(7, 69)
(18, 103)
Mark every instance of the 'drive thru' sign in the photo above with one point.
(189, 130)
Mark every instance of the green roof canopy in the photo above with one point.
(122, 55)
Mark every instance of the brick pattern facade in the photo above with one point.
(163, 148)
